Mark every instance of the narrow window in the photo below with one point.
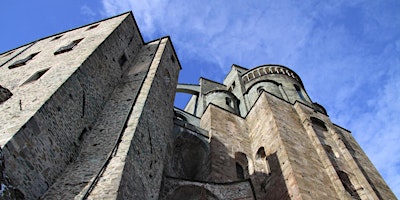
(318, 123)
(9, 53)
(173, 58)
(228, 101)
(122, 60)
(242, 165)
(260, 89)
(262, 161)
(348, 186)
(57, 37)
(36, 76)
(22, 62)
(298, 90)
(92, 27)
(233, 86)
(239, 171)
(5, 94)
(67, 48)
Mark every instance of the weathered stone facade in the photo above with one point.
(89, 114)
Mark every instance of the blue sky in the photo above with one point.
(346, 52)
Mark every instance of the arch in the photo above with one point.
(270, 86)
(262, 161)
(348, 186)
(188, 88)
(191, 192)
(190, 157)
(242, 165)
(299, 92)
(319, 123)
(223, 99)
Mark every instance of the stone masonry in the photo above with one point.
(89, 114)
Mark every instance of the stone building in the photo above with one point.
(89, 114)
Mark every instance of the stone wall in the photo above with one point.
(136, 169)
(177, 189)
(68, 99)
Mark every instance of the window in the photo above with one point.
(348, 186)
(298, 90)
(239, 171)
(36, 76)
(22, 62)
(232, 86)
(262, 161)
(173, 58)
(261, 153)
(57, 37)
(242, 165)
(92, 27)
(228, 101)
(260, 89)
(5, 94)
(122, 60)
(9, 53)
(318, 123)
(67, 48)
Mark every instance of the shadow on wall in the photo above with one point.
(189, 154)
(215, 174)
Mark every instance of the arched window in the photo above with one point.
(260, 89)
(318, 123)
(228, 101)
(262, 162)
(348, 186)
(239, 171)
(298, 90)
(242, 165)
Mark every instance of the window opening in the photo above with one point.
(262, 161)
(261, 153)
(5, 94)
(67, 48)
(260, 89)
(348, 186)
(36, 76)
(319, 123)
(57, 37)
(232, 86)
(9, 53)
(122, 60)
(92, 27)
(22, 62)
(228, 101)
(239, 171)
(298, 90)
(173, 58)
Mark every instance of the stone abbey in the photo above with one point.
(89, 114)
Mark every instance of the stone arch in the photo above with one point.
(348, 186)
(191, 192)
(190, 157)
(299, 92)
(242, 165)
(320, 129)
(261, 161)
(223, 99)
(258, 87)
(270, 86)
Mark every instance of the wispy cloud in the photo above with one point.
(345, 52)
